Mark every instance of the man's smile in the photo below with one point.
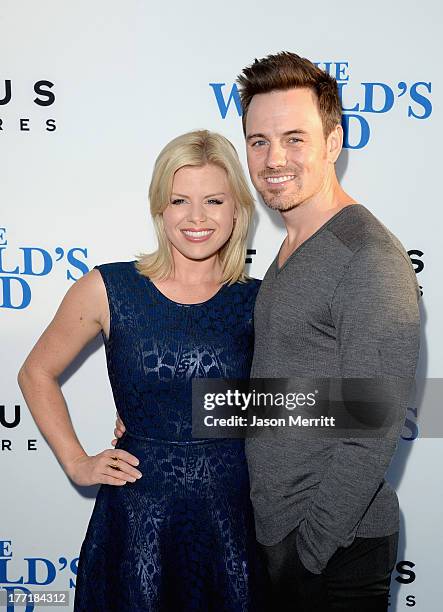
(278, 180)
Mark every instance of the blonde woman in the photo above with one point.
(172, 526)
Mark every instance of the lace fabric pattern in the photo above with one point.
(181, 538)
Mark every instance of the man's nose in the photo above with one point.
(276, 156)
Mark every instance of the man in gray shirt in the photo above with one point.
(340, 300)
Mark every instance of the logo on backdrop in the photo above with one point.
(403, 574)
(410, 430)
(10, 420)
(418, 264)
(19, 268)
(23, 575)
(39, 94)
(374, 99)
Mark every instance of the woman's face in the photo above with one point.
(199, 218)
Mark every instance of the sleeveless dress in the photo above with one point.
(181, 538)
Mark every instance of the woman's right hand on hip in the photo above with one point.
(111, 466)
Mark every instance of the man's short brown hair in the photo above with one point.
(287, 70)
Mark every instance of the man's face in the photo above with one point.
(286, 148)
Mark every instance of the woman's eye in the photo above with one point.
(214, 201)
(177, 201)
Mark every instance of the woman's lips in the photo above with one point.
(197, 235)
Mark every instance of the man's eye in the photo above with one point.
(215, 201)
(294, 139)
(177, 201)
(258, 143)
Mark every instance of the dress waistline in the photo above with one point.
(177, 442)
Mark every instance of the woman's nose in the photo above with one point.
(197, 213)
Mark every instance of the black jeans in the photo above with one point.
(356, 578)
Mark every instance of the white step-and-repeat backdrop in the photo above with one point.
(89, 94)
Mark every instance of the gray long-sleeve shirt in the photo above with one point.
(344, 304)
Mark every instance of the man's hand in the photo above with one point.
(119, 430)
(111, 466)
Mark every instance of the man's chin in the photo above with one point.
(281, 204)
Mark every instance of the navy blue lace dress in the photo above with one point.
(181, 538)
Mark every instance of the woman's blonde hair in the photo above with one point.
(198, 148)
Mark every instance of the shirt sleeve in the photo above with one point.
(376, 316)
